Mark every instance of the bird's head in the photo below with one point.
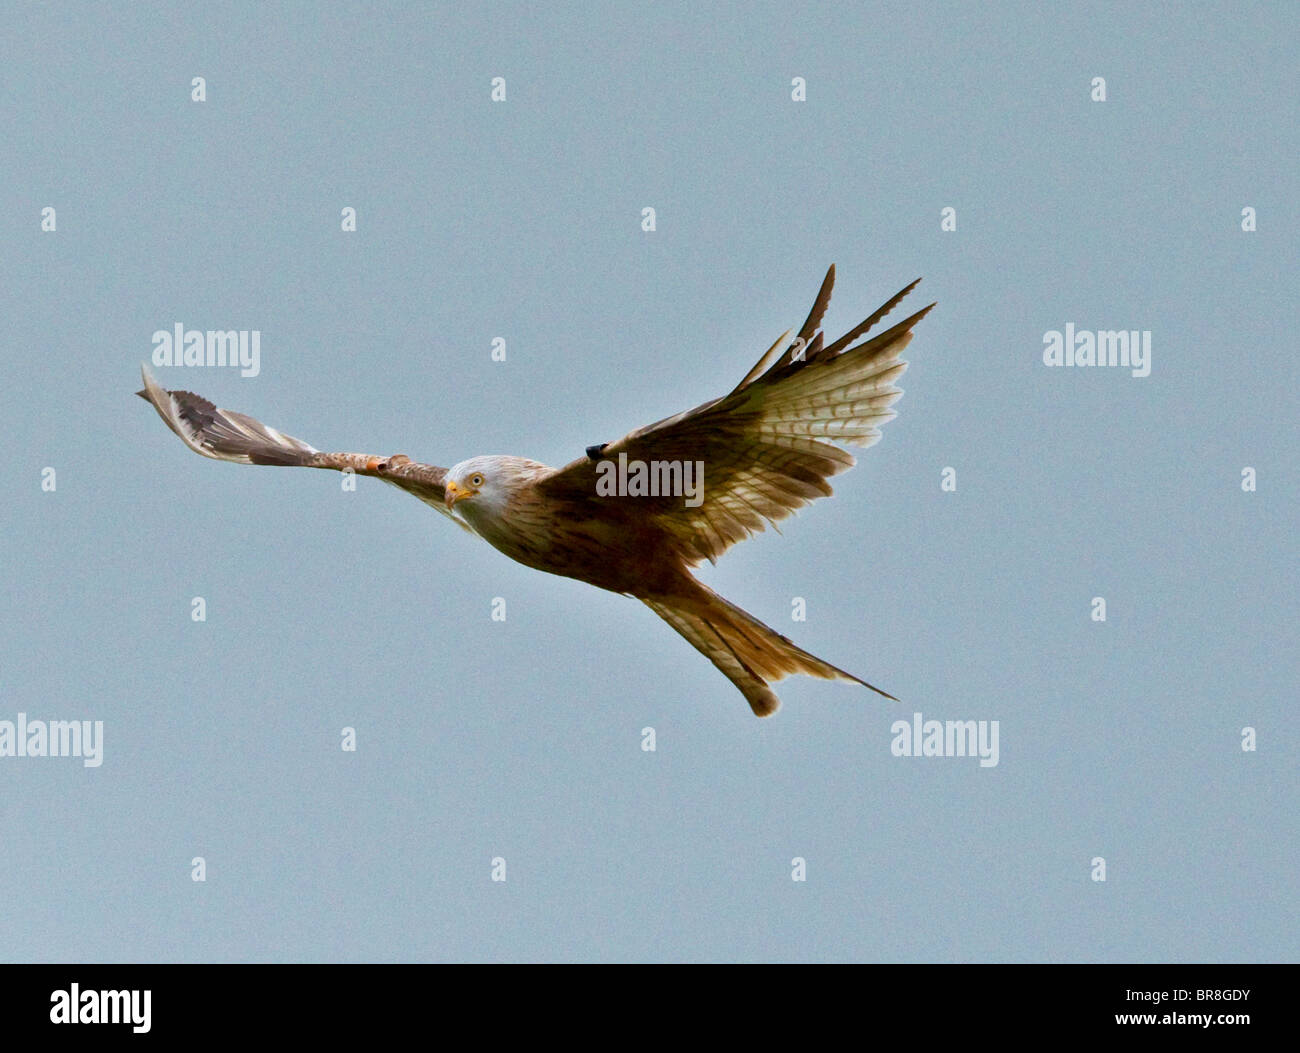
(483, 486)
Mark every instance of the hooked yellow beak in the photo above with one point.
(453, 493)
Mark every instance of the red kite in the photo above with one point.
(747, 459)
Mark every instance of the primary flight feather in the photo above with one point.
(766, 448)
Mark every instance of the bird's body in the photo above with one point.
(762, 451)
(621, 550)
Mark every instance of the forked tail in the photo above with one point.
(748, 653)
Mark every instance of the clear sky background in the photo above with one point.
(522, 739)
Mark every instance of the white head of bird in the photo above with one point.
(481, 487)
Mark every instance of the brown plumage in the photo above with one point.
(767, 448)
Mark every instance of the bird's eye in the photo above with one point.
(476, 480)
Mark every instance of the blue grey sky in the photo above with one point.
(522, 739)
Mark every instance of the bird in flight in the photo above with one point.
(764, 449)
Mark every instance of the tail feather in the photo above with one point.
(748, 653)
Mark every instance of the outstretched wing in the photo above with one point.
(767, 447)
(225, 435)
